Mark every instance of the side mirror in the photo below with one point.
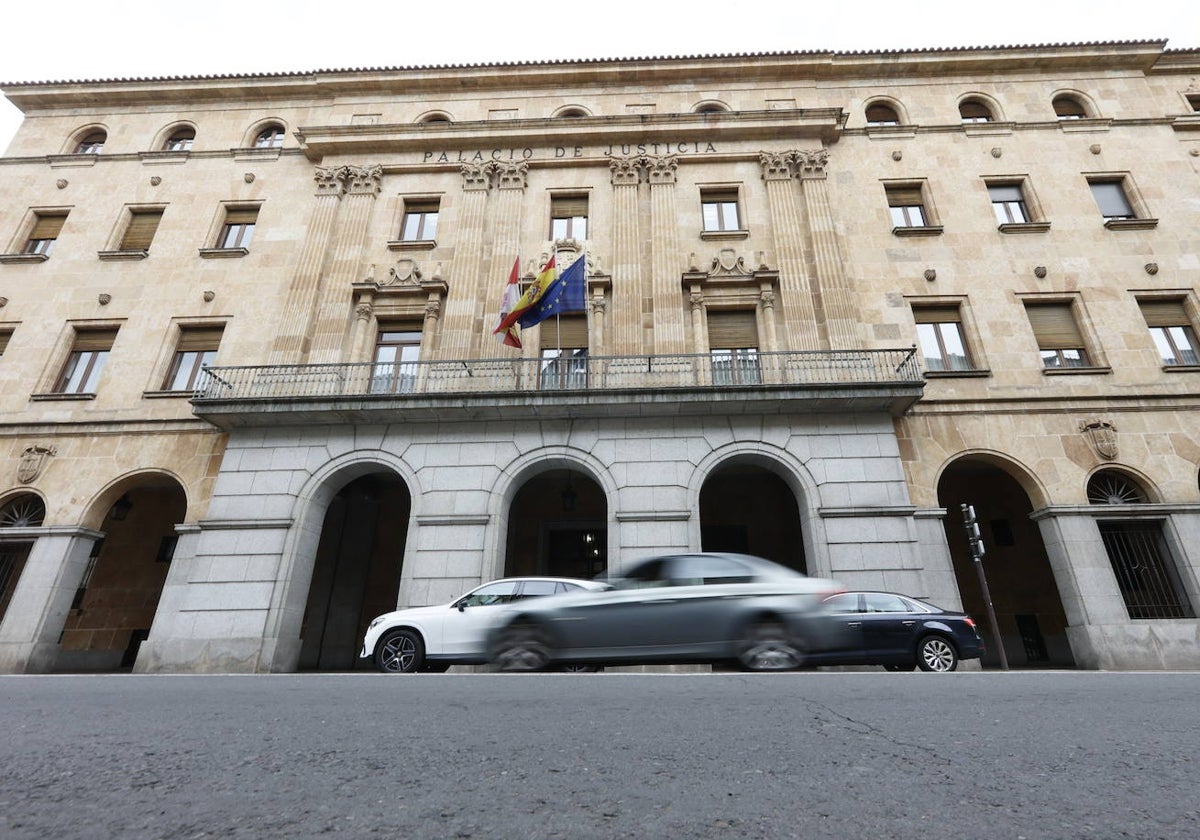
(462, 606)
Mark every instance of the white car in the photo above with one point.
(434, 638)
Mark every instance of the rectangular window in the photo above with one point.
(940, 331)
(397, 349)
(238, 229)
(1112, 199)
(1145, 570)
(420, 220)
(84, 365)
(733, 346)
(564, 345)
(143, 224)
(1172, 331)
(197, 347)
(1008, 203)
(569, 217)
(46, 229)
(906, 205)
(720, 210)
(1058, 337)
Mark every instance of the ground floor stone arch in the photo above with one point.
(746, 506)
(1020, 578)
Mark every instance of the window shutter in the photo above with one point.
(94, 340)
(732, 330)
(1005, 192)
(199, 339)
(1054, 326)
(936, 315)
(241, 215)
(48, 227)
(1164, 313)
(1111, 198)
(904, 196)
(565, 331)
(141, 230)
(569, 206)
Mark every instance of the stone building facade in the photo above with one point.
(251, 395)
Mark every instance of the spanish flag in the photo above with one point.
(528, 300)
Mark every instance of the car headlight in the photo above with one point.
(375, 623)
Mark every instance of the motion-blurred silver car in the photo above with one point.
(685, 608)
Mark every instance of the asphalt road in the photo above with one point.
(839, 755)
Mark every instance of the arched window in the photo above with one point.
(571, 112)
(435, 117)
(880, 113)
(181, 140)
(270, 137)
(92, 143)
(1109, 487)
(1069, 108)
(712, 108)
(974, 111)
(24, 511)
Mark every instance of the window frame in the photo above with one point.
(397, 375)
(196, 346)
(269, 136)
(895, 118)
(1066, 112)
(934, 314)
(573, 224)
(425, 214)
(1059, 338)
(92, 142)
(716, 204)
(237, 229)
(87, 349)
(44, 222)
(1033, 220)
(180, 139)
(901, 198)
(980, 104)
(1171, 323)
(1138, 217)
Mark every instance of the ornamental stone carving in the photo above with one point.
(405, 272)
(1102, 435)
(662, 170)
(812, 163)
(626, 172)
(33, 462)
(433, 308)
(329, 180)
(776, 166)
(728, 263)
(364, 180)
(476, 176)
(511, 176)
(768, 299)
(364, 311)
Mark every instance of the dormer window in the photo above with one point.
(91, 144)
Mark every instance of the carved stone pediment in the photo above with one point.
(406, 272)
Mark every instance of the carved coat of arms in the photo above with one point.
(1103, 437)
(33, 461)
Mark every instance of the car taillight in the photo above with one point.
(970, 622)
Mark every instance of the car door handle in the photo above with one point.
(909, 623)
(854, 624)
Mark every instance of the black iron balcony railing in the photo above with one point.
(574, 373)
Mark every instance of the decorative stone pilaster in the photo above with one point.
(837, 298)
(664, 255)
(511, 180)
(291, 342)
(799, 308)
(460, 319)
(331, 341)
(627, 175)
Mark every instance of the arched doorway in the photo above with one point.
(557, 526)
(1028, 607)
(116, 599)
(749, 509)
(356, 573)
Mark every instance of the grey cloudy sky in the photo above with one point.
(81, 39)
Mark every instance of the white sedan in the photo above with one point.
(434, 638)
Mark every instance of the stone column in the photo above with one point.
(767, 304)
(664, 256)
(334, 307)
(292, 336)
(627, 291)
(795, 286)
(40, 603)
(511, 180)
(459, 319)
(836, 295)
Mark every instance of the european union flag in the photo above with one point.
(566, 294)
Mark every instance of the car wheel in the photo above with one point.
(767, 646)
(521, 647)
(400, 652)
(936, 654)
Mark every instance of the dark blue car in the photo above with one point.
(896, 631)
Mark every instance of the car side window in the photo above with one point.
(844, 603)
(693, 570)
(877, 602)
(648, 574)
(537, 588)
(485, 596)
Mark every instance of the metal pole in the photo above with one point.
(973, 542)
